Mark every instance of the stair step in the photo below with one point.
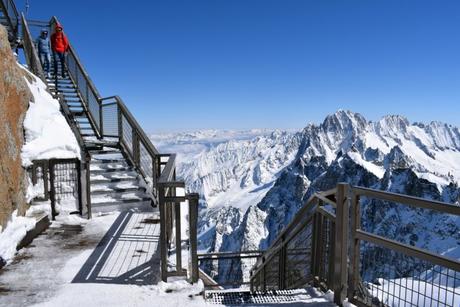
(68, 91)
(135, 205)
(102, 201)
(108, 161)
(112, 180)
(109, 170)
(117, 191)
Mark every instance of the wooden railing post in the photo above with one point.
(341, 244)
(193, 224)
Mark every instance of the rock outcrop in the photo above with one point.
(14, 101)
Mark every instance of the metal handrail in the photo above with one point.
(31, 55)
(344, 263)
(9, 8)
(133, 122)
(97, 119)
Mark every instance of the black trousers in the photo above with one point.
(61, 57)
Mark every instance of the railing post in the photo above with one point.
(355, 245)
(88, 183)
(264, 280)
(178, 237)
(52, 190)
(80, 193)
(282, 265)
(163, 239)
(341, 244)
(120, 123)
(330, 277)
(101, 119)
(136, 153)
(193, 223)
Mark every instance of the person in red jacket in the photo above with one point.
(60, 45)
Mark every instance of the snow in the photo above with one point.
(406, 289)
(13, 233)
(47, 134)
(378, 171)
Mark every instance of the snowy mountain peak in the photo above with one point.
(344, 120)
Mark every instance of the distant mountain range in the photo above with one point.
(252, 183)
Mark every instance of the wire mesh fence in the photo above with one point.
(127, 134)
(57, 181)
(229, 270)
(391, 278)
(110, 124)
(398, 277)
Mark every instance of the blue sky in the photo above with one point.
(238, 64)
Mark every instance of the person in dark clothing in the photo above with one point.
(60, 45)
(44, 51)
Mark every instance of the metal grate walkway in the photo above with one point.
(238, 297)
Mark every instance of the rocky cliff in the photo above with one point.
(14, 101)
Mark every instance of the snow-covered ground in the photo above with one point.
(42, 273)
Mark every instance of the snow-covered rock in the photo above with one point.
(47, 133)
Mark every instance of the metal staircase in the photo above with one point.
(114, 182)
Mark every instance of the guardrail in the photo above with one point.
(170, 199)
(110, 118)
(328, 233)
(303, 251)
(30, 52)
(228, 269)
(427, 278)
(59, 180)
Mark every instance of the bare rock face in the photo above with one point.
(14, 101)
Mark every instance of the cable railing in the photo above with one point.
(336, 253)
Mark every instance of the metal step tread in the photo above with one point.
(115, 190)
(112, 180)
(112, 170)
(101, 201)
(263, 298)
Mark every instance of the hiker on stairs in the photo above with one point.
(44, 51)
(60, 45)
